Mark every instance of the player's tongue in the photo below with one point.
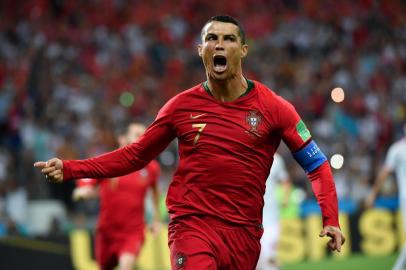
(220, 63)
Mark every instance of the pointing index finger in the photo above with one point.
(40, 164)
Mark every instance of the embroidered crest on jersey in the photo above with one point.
(254, 120)
(180, 260)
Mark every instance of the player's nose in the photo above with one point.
(219, 45)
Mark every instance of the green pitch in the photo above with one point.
(355, 262)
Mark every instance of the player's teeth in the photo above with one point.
(220, 68)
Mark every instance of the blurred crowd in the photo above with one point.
(74, 72)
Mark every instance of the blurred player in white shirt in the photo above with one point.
(395, 162)
(271, 219)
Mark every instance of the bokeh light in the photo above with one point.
(337, 95)
(337, 161)
(126, 99)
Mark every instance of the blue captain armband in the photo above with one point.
(310, 157)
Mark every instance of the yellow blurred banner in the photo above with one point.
(155, 252)
(380, 233)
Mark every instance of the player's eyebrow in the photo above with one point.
(226, 36)
(230, 36)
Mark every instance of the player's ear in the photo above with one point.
(244, 50)
(199, 49)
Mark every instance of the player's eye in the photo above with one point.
(230, 38)
(210, 37)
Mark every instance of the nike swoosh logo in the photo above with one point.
(197, 116)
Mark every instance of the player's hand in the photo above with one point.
(369, 202)
(52, 169)
(337, 237)
(156, 227)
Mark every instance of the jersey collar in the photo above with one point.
(250, 86)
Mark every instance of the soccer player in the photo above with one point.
(271, 219)
(228, 129)
(120, 227)
(395, 162)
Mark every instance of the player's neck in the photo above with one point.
(227, 90)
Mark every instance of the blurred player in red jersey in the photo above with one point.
(120, 228)
(228, 129)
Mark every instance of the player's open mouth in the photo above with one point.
(220, 63)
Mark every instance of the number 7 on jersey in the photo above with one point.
(201, 127)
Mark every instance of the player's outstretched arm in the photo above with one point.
(309, 156)
(382, 176)
(324, 189)
(52, 169)
(119, 162)
(337, 237)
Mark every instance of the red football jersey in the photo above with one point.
(225, 148)
(122, 199)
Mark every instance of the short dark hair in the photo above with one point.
(227, 19)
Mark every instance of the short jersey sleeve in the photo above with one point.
(294, 131)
